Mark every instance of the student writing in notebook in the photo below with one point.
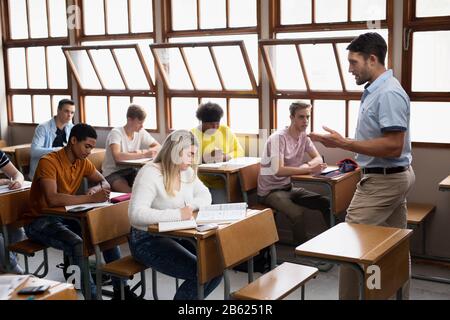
(56, 181)
(169, 190)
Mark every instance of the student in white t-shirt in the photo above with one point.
(130, 142)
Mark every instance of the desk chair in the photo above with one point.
(12, 208)
(248, 179)
(22, 158)
(109, 228)
(3, 143)
(97, 159)
(243, 240)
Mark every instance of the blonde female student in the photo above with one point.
(168, 189)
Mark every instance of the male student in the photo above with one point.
(130, 142)
(57, 178)
(217, 143)
(52, 135)
(382, 145)
(282, 158)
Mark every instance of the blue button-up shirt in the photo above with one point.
(385, 107)
(42, 142)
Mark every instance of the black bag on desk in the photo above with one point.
(261, 262)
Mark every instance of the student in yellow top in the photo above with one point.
(217, 144)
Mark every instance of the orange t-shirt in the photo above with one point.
(68, 176)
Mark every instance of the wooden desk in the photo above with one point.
(445, 184)
(88, 249)
(361, 246)
(57, 290)
(209, 263)
(230, 175)
(12, 205)
(340, 189)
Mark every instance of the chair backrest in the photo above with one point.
(22, 157)
(108, 223)
(3, 143)
(248, 178)
(97, 159)
(13, 205)
(244, 239)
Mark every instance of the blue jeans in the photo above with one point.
(14, 235)
(173, 257)
(65, 234)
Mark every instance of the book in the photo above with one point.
(222, 213)
(9, 283)
(176, 225)
(5, 189)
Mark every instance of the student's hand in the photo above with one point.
(331, 140)
(226, 157)
(217, 155)
(317, 168)
(100, 196)
(13, 185)
(150, 153)
(186, 213)
(4, 182)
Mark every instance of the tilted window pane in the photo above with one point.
(244, 115)
(149, 105)
(284, 115)
(429, 122)
(17, 68)
(232, 67)
(202, 68)
(329, 113)
(18, 19)
(242, 13)
(36, 67)
(42, 108)
(331, 11)
(58, 18)
(132, 69)
(431, 63)
(96, 111)
(86, 72)
(321, 68)
(21, 108)
(107, 69)
(222, 103)
(184, 14)
(366, 10)
(38, 19)
(432, 8)
(296, 11)
(353, 118)
(212, 14)
(93, 17)
(117, 16)
(183, 113)
(175, 67)
(57, 69)
(118, 107)
(287, 69)
(141, 16)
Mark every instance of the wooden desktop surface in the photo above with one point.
(57, 290)
(12, 149)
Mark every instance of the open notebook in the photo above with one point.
(176, 225)
(222, 213)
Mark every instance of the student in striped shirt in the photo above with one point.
(14, 181)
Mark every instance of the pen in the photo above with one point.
(323, 159)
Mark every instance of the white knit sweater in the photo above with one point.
(151, 204)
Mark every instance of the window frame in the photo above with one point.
(413, 24)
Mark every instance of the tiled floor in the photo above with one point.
(324, 287)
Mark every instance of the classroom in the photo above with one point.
(224, 150)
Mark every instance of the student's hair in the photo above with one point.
(369, 43)
(82, 131)
(62, 102)
(298, 105)
(209, 112)
(136, 112)
(170, 155)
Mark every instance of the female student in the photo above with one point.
(14, 181)
(168, 189)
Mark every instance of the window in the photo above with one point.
(36, 71)
(221, 67)
(308, 62)
(427, 39)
